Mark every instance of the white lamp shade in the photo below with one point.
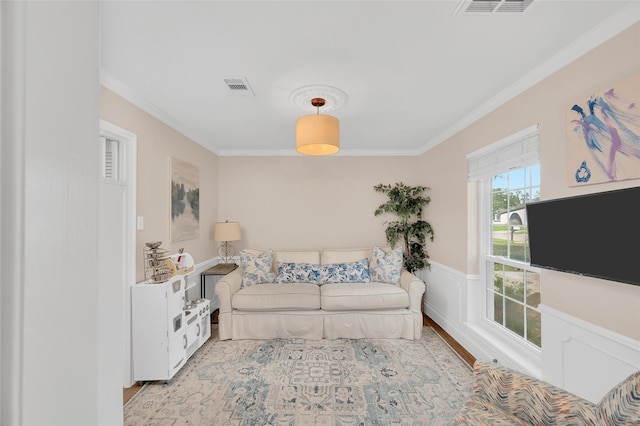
(226, 231)
(317, 134)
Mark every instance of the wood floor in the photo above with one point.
(464, 354)
(128, 393)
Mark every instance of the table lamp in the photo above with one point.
(226, 231)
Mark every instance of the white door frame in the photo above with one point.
(129, 142)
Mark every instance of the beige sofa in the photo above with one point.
(311, 311)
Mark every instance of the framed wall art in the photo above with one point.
(603, 135)
(185, 201)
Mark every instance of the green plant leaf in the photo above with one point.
(406, 202)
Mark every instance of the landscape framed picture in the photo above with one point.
(185, 201)
(603, 134)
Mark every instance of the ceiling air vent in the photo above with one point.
(239, 86)
(491, 7)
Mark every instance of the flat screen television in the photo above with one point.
(596, 235)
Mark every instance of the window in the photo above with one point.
(509, 176)
(513, 287)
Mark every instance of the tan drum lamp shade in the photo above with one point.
(226, 232)
(317, 134)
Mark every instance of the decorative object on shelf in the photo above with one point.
(407, 203)
(185, 201)
(602, 134)
(158, 266)
(183, 262)
(226, 232)
(318, 134)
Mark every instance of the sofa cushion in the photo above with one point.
(385, 267)
(297, 256)
(330, 256)
(277, 297)
(362, 297)
(256, 268)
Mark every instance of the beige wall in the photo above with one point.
(611, 305)
(157, 142)
(309, 202)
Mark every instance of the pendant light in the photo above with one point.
(317, 134)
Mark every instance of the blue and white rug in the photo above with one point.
(310, 382)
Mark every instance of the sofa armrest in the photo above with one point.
(226, 287)
(415, 287)
(531, 400)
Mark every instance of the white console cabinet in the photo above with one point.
(166, 328)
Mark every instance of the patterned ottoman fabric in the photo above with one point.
(479, 413)
(621, 405)
(506, 397)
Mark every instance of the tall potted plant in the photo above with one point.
(407, 203)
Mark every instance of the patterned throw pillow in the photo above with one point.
(297, 273)
(385, 268)
(350, 272)
(256, 269)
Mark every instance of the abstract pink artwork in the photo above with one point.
(603, 135)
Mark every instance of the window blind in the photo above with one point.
(515, 151)
(110, 157)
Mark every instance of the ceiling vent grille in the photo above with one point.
(492, 7)
(239, 86)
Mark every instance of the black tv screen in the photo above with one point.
(596, 235)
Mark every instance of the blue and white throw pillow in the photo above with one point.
(297, 273)
(256, 269)
(349, 272)
(385, 267)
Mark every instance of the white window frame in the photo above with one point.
(516, 151)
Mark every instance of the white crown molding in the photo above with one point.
(114, 84)
(294, 153)
(600, 34)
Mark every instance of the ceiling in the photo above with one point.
(413, 72)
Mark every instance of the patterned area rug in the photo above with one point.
(310, 382)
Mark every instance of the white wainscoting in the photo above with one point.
(583, 358)
(447, 303)
(578, 356)
(453, 300)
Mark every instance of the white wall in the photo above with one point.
(52, 135)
